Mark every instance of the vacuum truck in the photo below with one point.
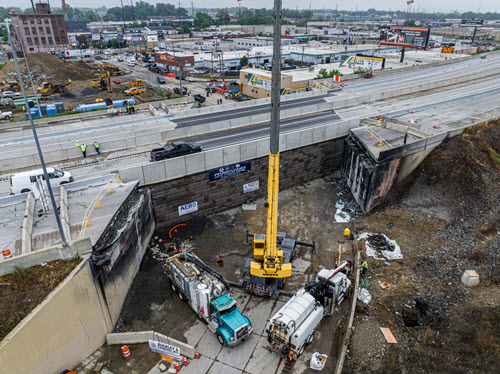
(207, 292)
(294, 325)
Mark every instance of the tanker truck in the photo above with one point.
(293, 326)
(207, 292)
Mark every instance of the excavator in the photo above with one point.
(12, 86)
(49, 88)
(273, 252)
(103, 82)
(114, 70)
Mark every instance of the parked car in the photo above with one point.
(149, 64)
(5, 115)
(199, 98)
(178, 91)
(135, 91)
(183, 77)
(174, 149)
(23, 182)
(190, 79)
(119, 59)
(11, 94)
(242, 98)
(161, 80)
(162, 71)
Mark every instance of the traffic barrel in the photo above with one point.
(127, 355)
(6, 254)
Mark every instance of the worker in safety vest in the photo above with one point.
(77, 144)
(364, 268)
(83, 147)
(96, 146)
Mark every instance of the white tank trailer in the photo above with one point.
(294, 325)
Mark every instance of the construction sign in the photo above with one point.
(259, 81)
(447, 50)
(165, 349)
(364, 62)
(292, 90)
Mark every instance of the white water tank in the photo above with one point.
(205, 302)
(470, 278)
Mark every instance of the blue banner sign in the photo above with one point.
(230, 171)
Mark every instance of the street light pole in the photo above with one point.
(35, 136)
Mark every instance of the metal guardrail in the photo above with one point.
(181, 105)
(97, 202)
(374, 135)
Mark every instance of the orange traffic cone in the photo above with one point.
(386, 284)
(185, 361)
(197, 355)
(127, 355)
(177, 366)
(175, 250)
(217, 258)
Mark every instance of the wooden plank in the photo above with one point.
(388, 335)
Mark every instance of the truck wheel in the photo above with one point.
(301, 350)
(174, 288)
(310, 338)
(182, 297)
(25, 190)
(221, 340)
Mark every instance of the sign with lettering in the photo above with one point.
(252, 186)
(165, 349)
(229, 171)
(188, 208)
(447, 50)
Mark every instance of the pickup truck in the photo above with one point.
(5, 115)
(174, 149)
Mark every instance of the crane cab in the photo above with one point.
(259, 246)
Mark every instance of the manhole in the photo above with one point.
(220, 263)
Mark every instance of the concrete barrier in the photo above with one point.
(64, 212)
(145, 336)
(27, 260)
(28, 224)
(153, 110)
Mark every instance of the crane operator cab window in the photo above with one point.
(259, 244)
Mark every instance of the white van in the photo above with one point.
(23, 182)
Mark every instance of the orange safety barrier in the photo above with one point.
(6, 254)
(170, 75)
(127, 355)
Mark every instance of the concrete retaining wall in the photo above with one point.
(27, 224)
(145, 336)
(59, 333)
(64, 212)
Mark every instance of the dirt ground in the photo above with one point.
(152, 305)
(446, 220)
(23, 290)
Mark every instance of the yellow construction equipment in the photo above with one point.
(274, 251)
(136, 83)
(114, 70)
(103, 82)
(135, 91)
(12, 86)
(49, 88)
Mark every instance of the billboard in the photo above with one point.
(259, 81)
(230, 171)
(165, 58)
(364, 62)
(408, 37)
(447, 50)
(472, 23)
(119, 32)
(96, 33)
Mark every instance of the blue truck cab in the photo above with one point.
(233, 327)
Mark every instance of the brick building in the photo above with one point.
(40, 32)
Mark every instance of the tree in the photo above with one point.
(202, 21)
(410, 22)
(244, 61)
(90, 16)
(185, 29)
(223, 17)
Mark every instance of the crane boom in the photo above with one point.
(272, 265)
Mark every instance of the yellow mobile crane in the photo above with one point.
(273, 251)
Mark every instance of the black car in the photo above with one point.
(161, 80)
(199, 98)
(162, 71)
(174, 149)
(177, 90)
(183, 77)
(242, 98)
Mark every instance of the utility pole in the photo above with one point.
(192, 10)
(29, 73)
(133, 13)
(37, 143)
(123, 23)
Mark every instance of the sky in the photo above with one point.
(427, 5)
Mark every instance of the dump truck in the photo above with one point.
(293, 326)
(207, 292)
(114, 70)
(49, 88)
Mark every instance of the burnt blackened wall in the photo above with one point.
(297, 167)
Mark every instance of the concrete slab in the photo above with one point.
(200, 365)
(267, 362)
(209, 346)
(248, 151)
(293, 140)
(175, 167)
(213, 158)
(220, 368)
(195, 333)
(154, 172)
(231, 154)
(195, 163)
(238, 356)
(258, 311)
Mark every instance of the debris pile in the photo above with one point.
(380, 247)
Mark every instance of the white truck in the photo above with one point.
(208, 294)
(5, 115)
(294, 325)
